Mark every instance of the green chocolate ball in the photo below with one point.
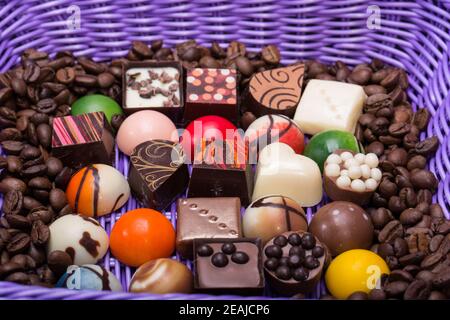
(322, 144)
(96, 102)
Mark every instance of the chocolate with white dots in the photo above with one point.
(294, 262)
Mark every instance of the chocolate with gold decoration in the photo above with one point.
(272, 215)
(158, 173)
(276, 90)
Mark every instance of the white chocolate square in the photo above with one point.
(280, 171)
(327, 105)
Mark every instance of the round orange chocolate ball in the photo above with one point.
(142, 235)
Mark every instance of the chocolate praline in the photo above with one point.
(342, 226)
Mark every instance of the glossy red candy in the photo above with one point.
(207, 128)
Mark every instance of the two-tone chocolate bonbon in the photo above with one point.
(228, 266)
(206, 218)
(89, 277)
(97, 190)
(82, 238)
(272, 215)
(158, 173)
(294, 262)
(82, 139)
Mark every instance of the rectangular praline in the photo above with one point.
(211, 92)
(153, 85)
(224, 174)
(206, 218)
(233, 278)
(83, 139)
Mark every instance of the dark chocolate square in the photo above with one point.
(206, 218)
(151, 88)
(83, 139)
(158, 173)
(217, 172)
(211, 92)
(233, 278)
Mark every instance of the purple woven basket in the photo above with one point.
(414, 35)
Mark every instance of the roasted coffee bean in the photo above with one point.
(31, 73)
(417, 290)
(12, 202)
(427, 147)
(387, 188)
(45, 274)
(25, 261)
(377, 294)
(412, 258)
(40, 233)
(18, 243)
(86, 80)
(437, 295)
(44, 134)
(18, 222)
(399, 129)
(424, 223)
(21, 125)
(58, 261)
(360, 76)
(418, 241)
(10, 184)
(271, 55)
(244, 66)
(141, 49)
(391, 231)
(391, 80)
(380, 217)
(63, 178)
(398, 157)
(46, 106)
(13, 134)
(410, 141)
(366, 119)
(156, 45)
(400, 247)
(9, 268)
(410, 216)
(436, 211)
(375, 147)
(421, 118)
(236, 48)
(395, 289)
(379, 126)
(442, 279)
(430, 261)
(424, 179)
(65, 75)
(376, 102)
(39, 118)
(40, 183)
(406, 194)
(40, 213)
(91, 66)
(416, 162)
(162, 54)
(385, 250)
(34, 171)
(29, 153)
(105, 80)
(11, 147)
(209, 62)
(374, 89)
(191, 54)
(358, 295)
(400, 275)
(54, 166)
(423, 207)
(424, 195)
(57, 199)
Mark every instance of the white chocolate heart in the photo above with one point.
(281, 171)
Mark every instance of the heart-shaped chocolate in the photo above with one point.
(281, 171)
(276, 90)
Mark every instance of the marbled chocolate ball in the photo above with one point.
(270, 216)
(342, 226)
(162, 276)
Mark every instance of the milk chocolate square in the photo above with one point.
(211, 92)
(235, 268)
(83, 139)
(206, 218)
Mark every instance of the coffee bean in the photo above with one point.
(58, 261)
(315, 68)
(44, 134)
(12, 202)
(385, 250)
(379, 126)
(19, 86)
(46, 106)
(63, 178)
(376, 102)
(407, 194)
(398, 157)
(417, 290)
(65, 75)
(436, 211)
(387, 188)
(54, 166)
(40, 183)
(391, 231)
(209, 62)
(11, 184)
(399, 129)
(34, 171)
(412, 258)
(31, 73)
(400, 275)
(105, 80)
(400, 247)
(91, 66)
(18, 222)
(418, 241)
(377, 294)
(410, 216)
(424, 195)
(18, 243)
(427, 147)
(380, 217)
(40, 233)
(9, 268)
(86, 80)
(437, 295)
(424, 179)
(11, 147)
(374, 89)
(236, 48)
(430, 261)
(29, 153)
(244, 66)
(396, 289)
(141, 49)
(416, 162)
(421, 118)
(271, 55)
(442, 279)
(358, 295)
(360, 76)
(375, 147)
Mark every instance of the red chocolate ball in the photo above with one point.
(206, 128)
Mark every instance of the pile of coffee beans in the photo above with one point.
(411, 233)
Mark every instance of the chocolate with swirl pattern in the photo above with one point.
(158, 173)
(276, 90)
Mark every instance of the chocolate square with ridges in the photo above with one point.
(241, 274)
(158, 173)
(83, 139)
(153, 85)
(206, 218)
(221, 169)
(211, 92)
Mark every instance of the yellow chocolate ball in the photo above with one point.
(354, 270)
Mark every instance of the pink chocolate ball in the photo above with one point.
(144, 126)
